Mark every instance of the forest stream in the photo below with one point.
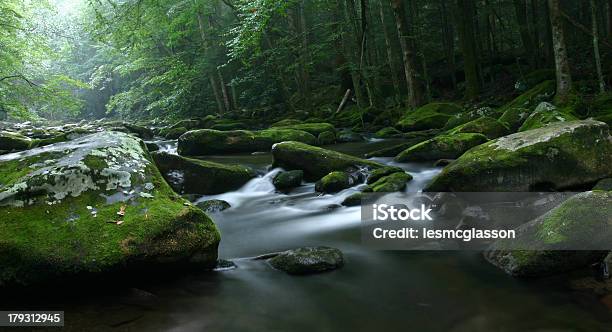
(433, 291)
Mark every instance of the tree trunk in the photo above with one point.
(562, 69)
(415, 94)
(535, 31)
(600, 79)
(465, 27)
(390, 58)
(520, 8)
(449, 38)
(305, 56)
(226, 99)
(352, 44)
(609, 10)
(548, 47)
(211, 75)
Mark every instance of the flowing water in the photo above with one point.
(374, 291)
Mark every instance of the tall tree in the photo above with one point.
(562, 68)
(390, 58)
(465, 11)
(520, 8)
(415, 90)
(600, 79)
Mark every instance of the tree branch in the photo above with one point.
(32, 84)
(583, 28)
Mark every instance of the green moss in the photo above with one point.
(544, 114)
(465, 117)
(326, 138)
(430, 116)
(487, 126)
(378, 173)
(334, 182)
(514, 117)
(313, 128)
(314, 161)
(208, 141)
(441, 147)
(387, 132)
(560, 155)
(10, 141)
(172, 133)
(530, 99)
(391, 183)
(286, 122)
(288, 180)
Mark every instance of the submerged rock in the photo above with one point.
(441, 147)
(430, 116)
(353, 200)
(91, 206)
(207, 141)
(193, 176)
(288, 180)
(308, 260)
(316, 162)
(583, 221)
(213, 205)
(334, 182)
(558, 156)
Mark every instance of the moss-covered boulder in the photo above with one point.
(465, 117)
(326, 138)
(379, 173)
(430, 116)
(531, 98)
(140, 131)
(558, 156)
(353, 200)
(193, 176)
(308, 260)
(317, 162)
(213, 205)
(515, 117)
(544, 114)
(487, 126)
(11, 141)
(314, 128)
(172, 133)
(412, 138)
(334, 182)
(93, 206)
(583, 221)
(387, 132)
(441, 147)
(207, 141)
(348, 136)
(604, 184)
(288, 180)
(390, 183)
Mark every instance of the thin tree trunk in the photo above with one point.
(520, 8)
(465, 25)
(564, 77)
(600, 78)
(353, 44)
(390, 58)
(449, 37)
(211, 76)
(548, 44)
(415, 94)
(226, 99)
(609, 10)
(535, 31)
(305, 56)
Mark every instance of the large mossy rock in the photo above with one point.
(412, 138)
(308, 260)
(558, 156)
(193, 176)
(430, 116)
(441, 147)
(487, 126)
(316, 162)
(544, 114)
(208, 141)
(288, 180)
(515, 117)
(583, 221)
(313, 128)
(172, 133)
(93, 206)
(390, 183)
(10, 141)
